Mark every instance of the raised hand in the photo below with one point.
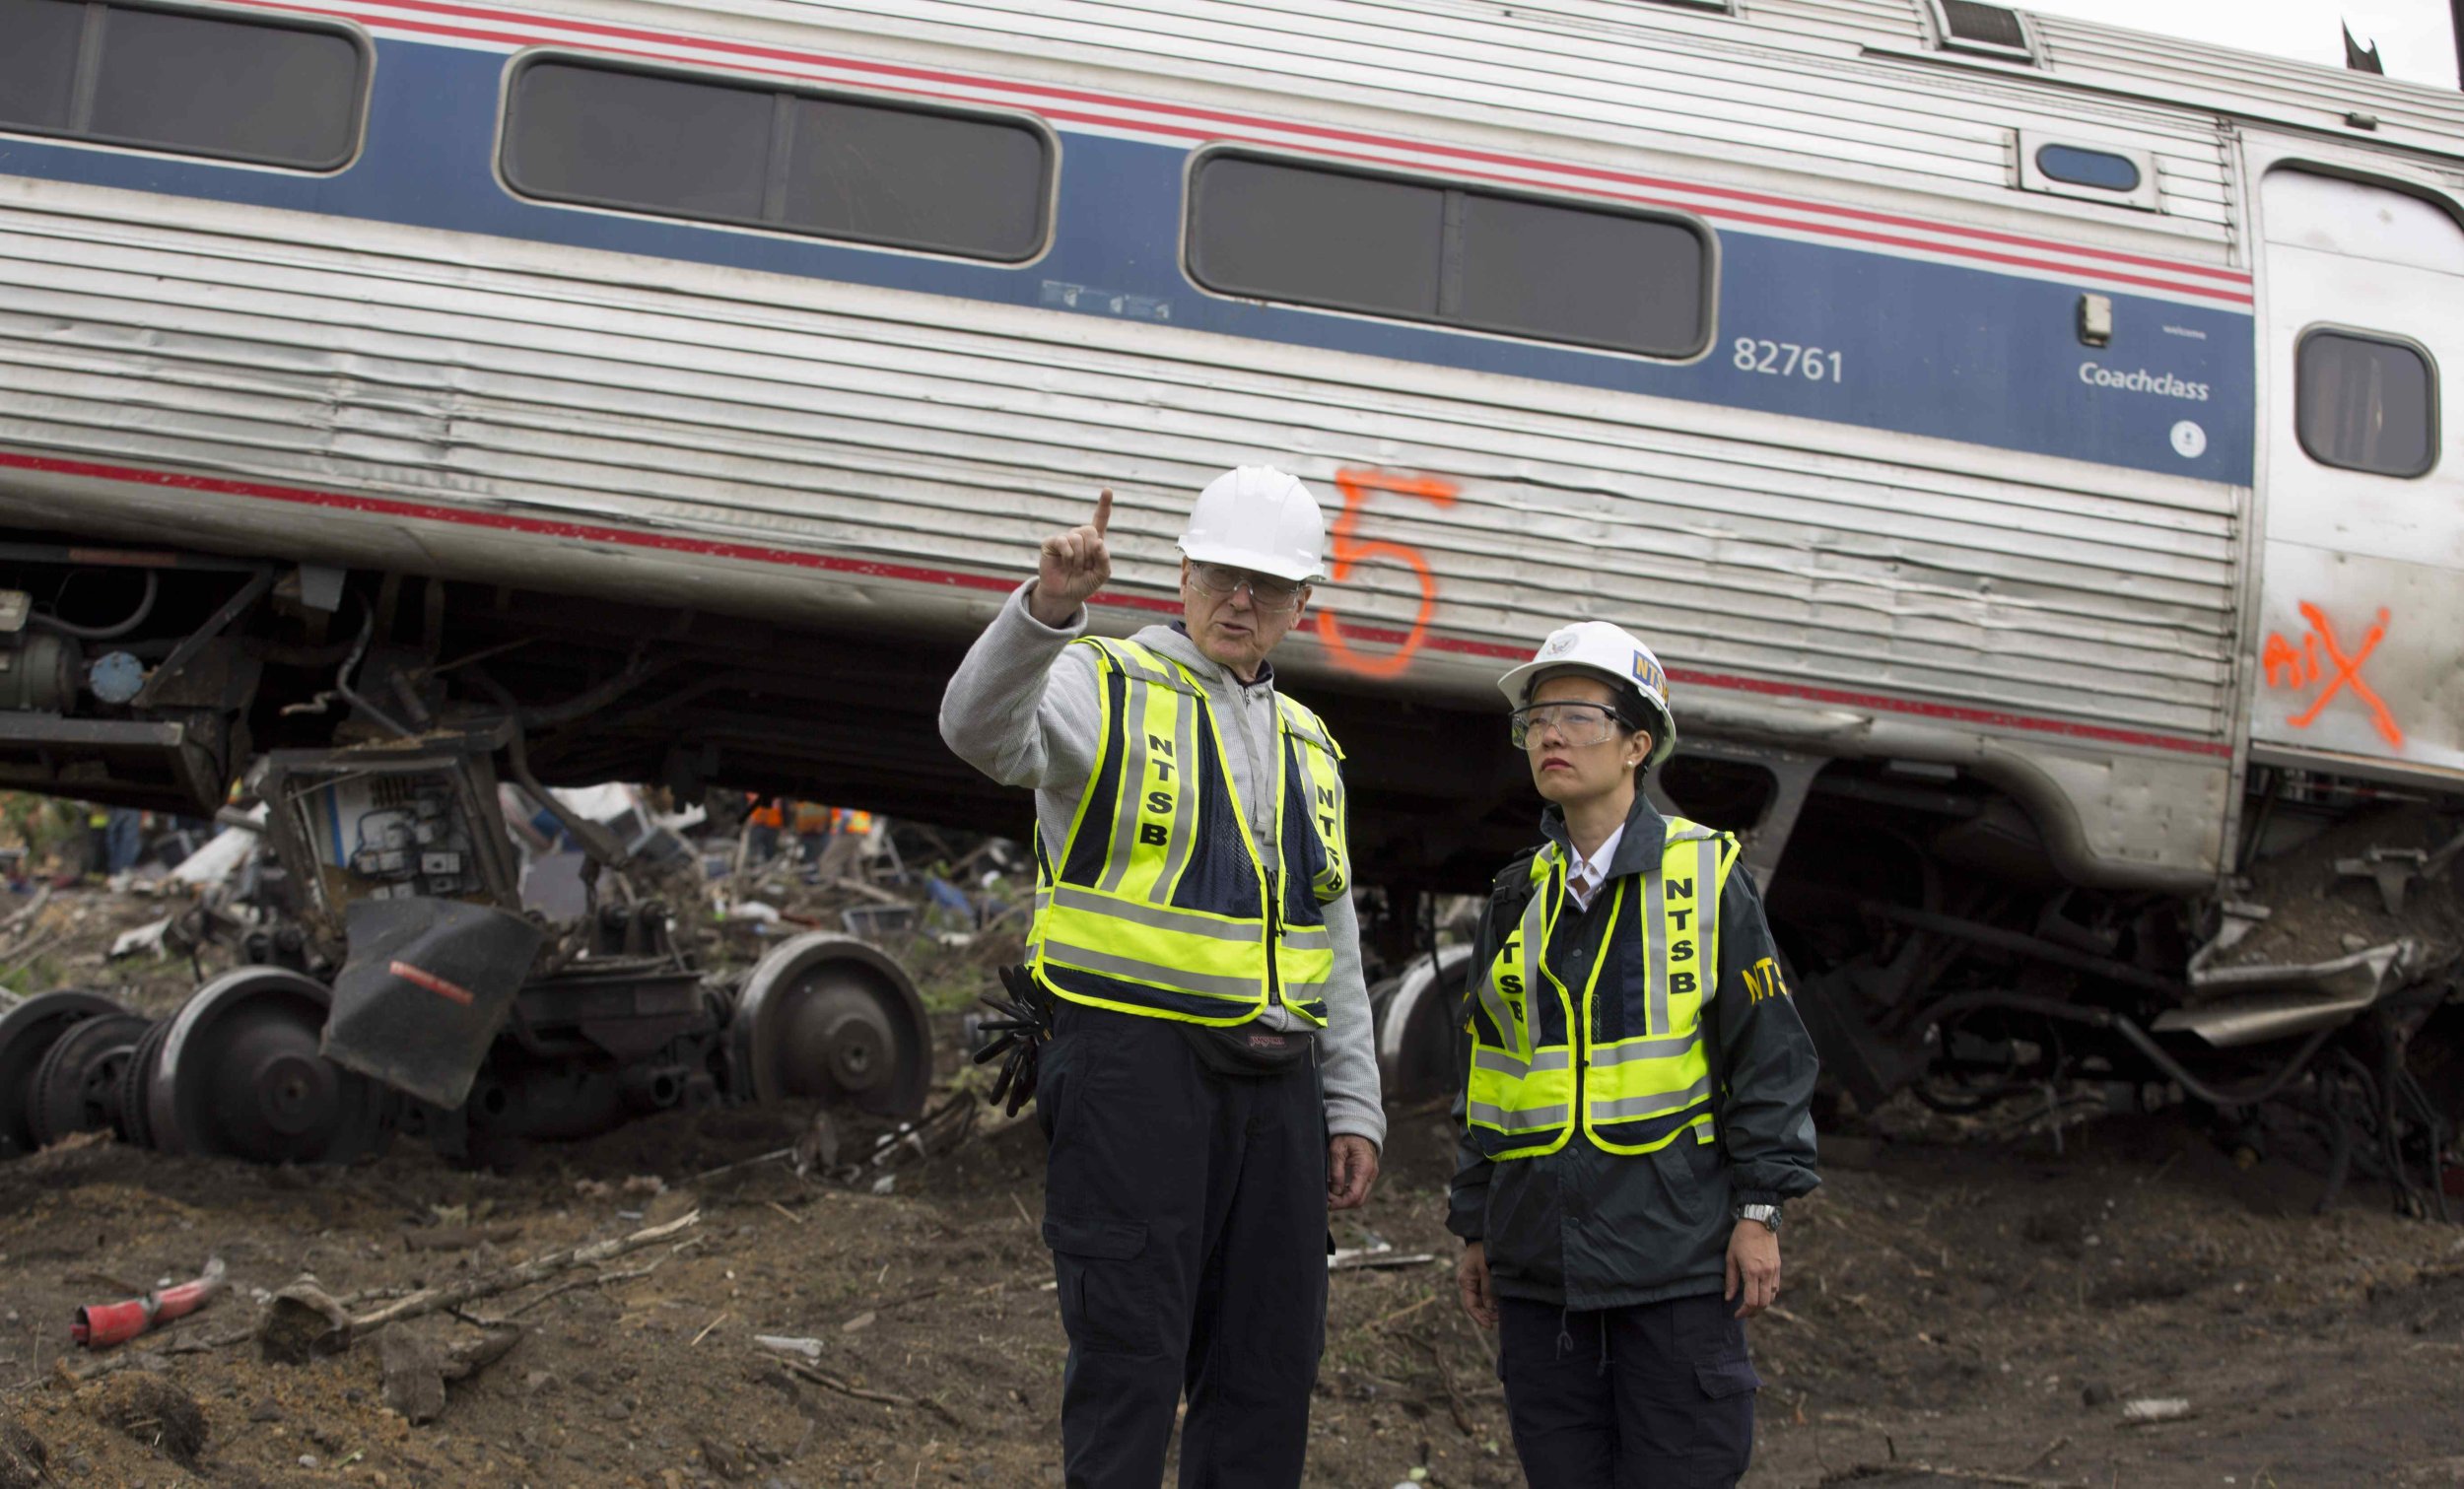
(1071, 566)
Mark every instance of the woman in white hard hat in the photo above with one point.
(1635, 1107)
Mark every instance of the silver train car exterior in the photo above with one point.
(1973, 407)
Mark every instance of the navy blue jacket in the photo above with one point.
(1584, 1229)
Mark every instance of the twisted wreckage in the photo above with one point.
(2022, 442)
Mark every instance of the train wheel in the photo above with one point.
(77, 1088)
(830, 1018)
(26, 1033)
(136, 1078)
(240, 1076)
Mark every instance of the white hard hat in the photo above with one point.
(1608, 652)
(1258, 519)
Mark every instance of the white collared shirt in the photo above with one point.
(1584, 876)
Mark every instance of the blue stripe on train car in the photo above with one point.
(1922, 347)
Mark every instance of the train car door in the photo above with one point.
(2361, 631)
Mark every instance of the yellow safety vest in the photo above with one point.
(1626, 1047)
(1158, 903)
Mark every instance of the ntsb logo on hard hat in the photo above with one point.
(1647, 672)
(1608, 652)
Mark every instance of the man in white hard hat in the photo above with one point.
(1210, 1087)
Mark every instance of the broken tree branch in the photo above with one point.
(304, 1322)
(538, 1270)
(824, 1379)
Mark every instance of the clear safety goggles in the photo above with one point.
(1265, 591)
(1572, 724)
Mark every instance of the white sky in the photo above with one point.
(2413, 36)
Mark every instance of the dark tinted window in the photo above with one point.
(245, 90)
(1322, 238)
(254, 92)
(2364, 404)
(37, 62)
(2099, 168)
(587, 134)
(723, 152)
(1423, 251)
(926, 180)
(1992, 25)
(1570, 275)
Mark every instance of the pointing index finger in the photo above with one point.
(1102, 511)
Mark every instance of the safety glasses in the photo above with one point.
(1267, 592)
(1571, 724)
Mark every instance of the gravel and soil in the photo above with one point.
(1955, 1311)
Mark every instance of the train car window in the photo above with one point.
(268, 92)
(865, 171)
(2100, 169)
(1322, 238)
(2366, 403)
(1419, 251)
(857, 170)
(2118, 176)
(588, 134)
(38, 66)
(1542, 269)
(1994, 30)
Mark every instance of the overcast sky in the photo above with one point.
(2413, 36)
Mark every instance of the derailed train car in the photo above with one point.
(2021, 439)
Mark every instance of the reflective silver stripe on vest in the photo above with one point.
(1161, 677)
(1518, 1121)
(1308, 938)
(1639, 1049)
(1130, 729)
(1707, 918)
(1666, 1104)
(1184, 802)
(1555, 1057)
(1656, 936)
(1185, 922)
(1088, 959)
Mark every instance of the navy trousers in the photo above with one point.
(1655, 1396)
(1186, 1210)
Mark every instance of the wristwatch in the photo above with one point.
(1769, 1214)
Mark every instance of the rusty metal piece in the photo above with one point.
(26, 1033)
(831, 1018)
(240, 1076)
(2392, 869)
(2250, 1005)
(77, 1088)
(428, 984)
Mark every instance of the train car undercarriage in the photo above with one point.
(1936, 945)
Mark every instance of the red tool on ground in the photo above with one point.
(109, 1323)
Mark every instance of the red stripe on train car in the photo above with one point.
(1314, 131)
(664, 542)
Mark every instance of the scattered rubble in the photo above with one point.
(150, 1410)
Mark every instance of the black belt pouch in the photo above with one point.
(1249, 1050)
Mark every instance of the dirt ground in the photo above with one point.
(1955, 1311)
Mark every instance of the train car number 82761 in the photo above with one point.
(1786, 359)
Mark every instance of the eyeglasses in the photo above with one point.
(1265, 591)
(1575, 724)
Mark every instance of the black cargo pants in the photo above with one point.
(1186, 1215)
(1658, 1396)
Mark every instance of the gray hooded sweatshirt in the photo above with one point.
(1018, 718)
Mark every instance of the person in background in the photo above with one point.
(1636, 1104)
(768, 820)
